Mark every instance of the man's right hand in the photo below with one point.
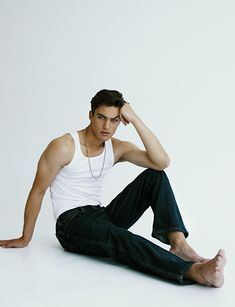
(18, 242)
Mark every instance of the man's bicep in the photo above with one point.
(133, 154)
(49, 164)
(137, 156)
(44, 175)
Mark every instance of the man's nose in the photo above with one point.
(106, 124)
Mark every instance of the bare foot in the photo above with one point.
(186, 253)
(210, 273)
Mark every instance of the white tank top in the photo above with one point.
(74, 185)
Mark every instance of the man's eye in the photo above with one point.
(100, 117)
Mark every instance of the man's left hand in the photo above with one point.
(127, 115)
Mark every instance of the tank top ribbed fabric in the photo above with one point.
(74, 185)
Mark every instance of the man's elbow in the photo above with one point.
(163, 164)
(167, 163)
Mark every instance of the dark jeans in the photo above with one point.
(102, 231)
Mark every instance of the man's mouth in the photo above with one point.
(105, 133)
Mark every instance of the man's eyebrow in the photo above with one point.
(107, 117)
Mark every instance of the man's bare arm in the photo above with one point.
(55, 156)
(154, 156)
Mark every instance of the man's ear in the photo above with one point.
(90, 115)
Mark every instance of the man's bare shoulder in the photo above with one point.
(63, 142)
(61, 148)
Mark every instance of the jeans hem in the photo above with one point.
(182, 279)
(161, 234)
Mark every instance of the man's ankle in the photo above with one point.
(176, 239)
(193, 273)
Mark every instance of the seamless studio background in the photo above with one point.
(174, 62)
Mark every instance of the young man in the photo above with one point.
(74, 166)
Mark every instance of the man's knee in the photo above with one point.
(153, 177)
(153, 173)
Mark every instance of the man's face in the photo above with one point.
(104, 121)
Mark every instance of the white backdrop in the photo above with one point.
(172, 60)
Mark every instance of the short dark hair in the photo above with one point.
(108, 98)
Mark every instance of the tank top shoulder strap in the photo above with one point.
(75, 137)
(109, 147)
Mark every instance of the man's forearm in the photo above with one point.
(32, 208)
(153, 147)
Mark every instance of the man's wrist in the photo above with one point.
(26, 238)
(136, 121)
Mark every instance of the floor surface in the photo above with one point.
(43, 274)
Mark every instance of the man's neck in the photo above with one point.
(91, 140)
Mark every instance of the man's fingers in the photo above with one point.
(13, 243)
(8, 243)
(124, 121)
(121, 117)
(5, 243)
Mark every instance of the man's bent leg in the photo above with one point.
(150, 188)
